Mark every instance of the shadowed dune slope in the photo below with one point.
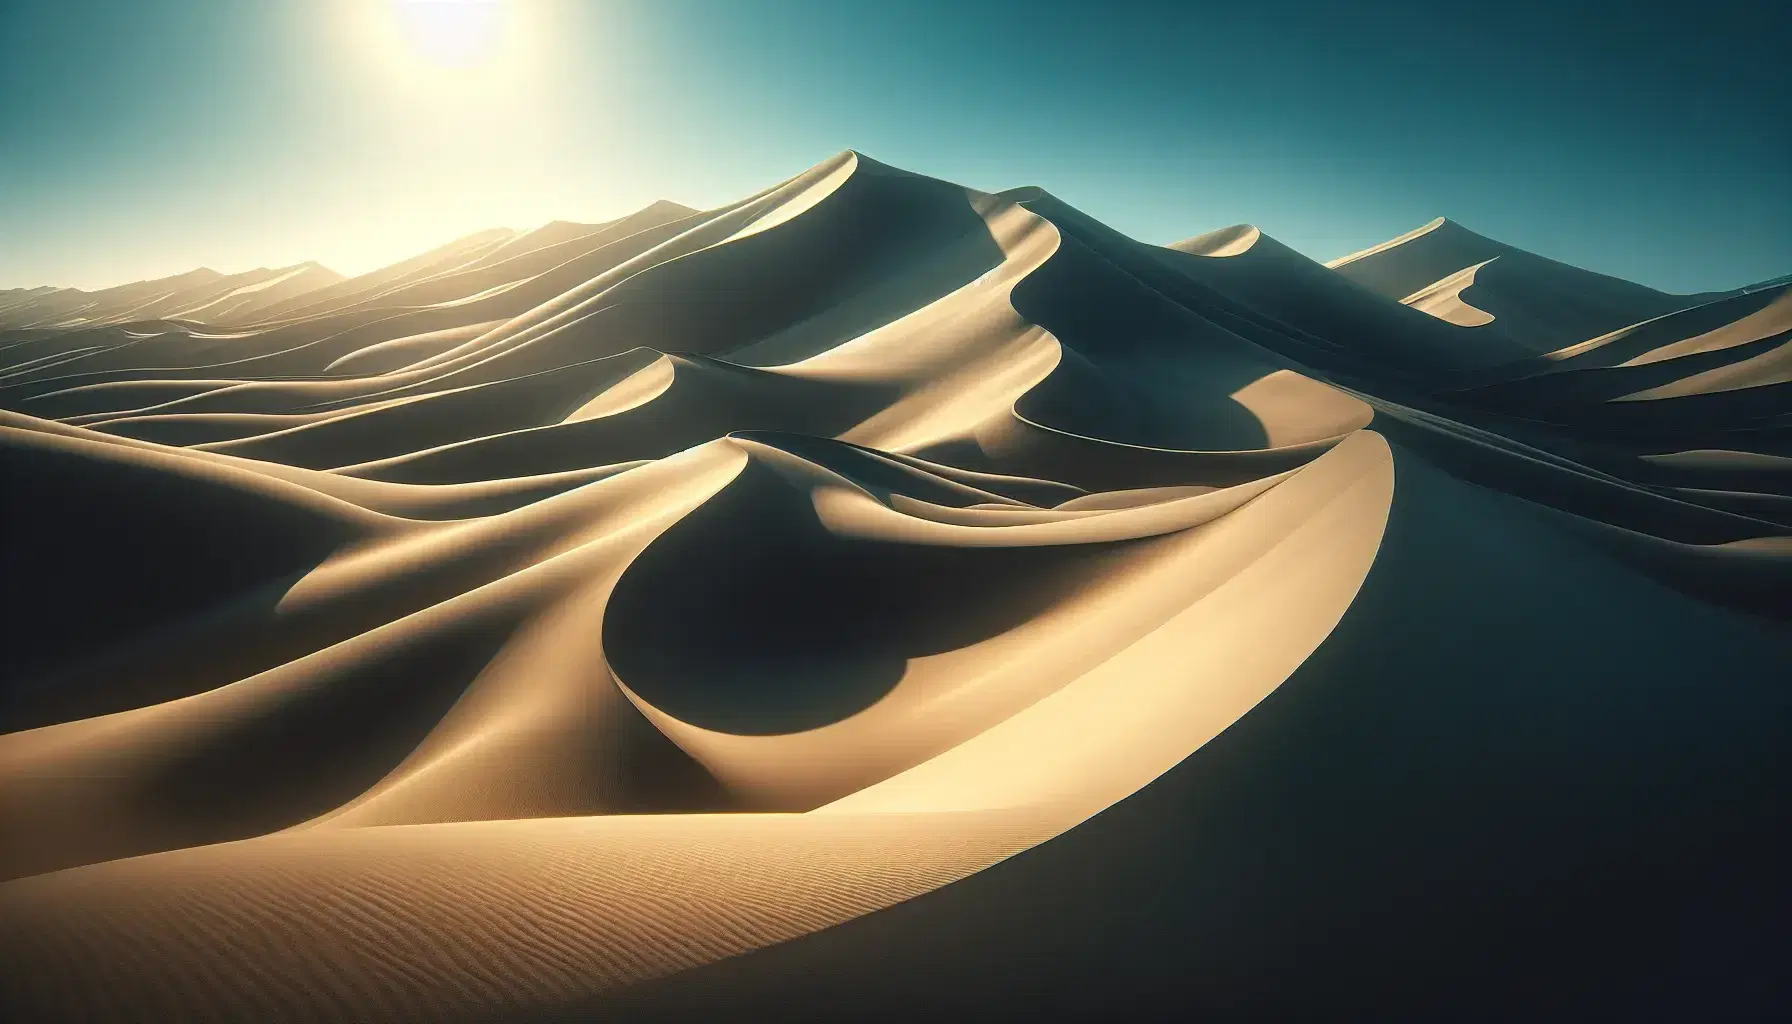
(1536, 302)
(877, 597)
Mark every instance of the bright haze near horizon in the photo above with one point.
(146, 137)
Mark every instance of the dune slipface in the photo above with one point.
(878, 596)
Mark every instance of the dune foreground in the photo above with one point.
(877, 597)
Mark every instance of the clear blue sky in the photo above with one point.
(144, 137)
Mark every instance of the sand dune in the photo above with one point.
(878, 596)
(1468, 279)
(203, 295)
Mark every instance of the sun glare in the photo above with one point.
(450, 50)
(453, 33)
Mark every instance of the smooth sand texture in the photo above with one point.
(804, 607)
(1536, 302)
(1443, 299)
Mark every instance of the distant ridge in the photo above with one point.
(1537, 302)
(201, 292)
(204, 295)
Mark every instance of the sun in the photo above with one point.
(453, 33)
(451, 52)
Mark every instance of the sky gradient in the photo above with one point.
(145, 137)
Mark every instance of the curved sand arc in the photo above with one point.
(566, 609)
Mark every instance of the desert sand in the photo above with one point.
(878, 597)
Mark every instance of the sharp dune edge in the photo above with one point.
(878, 595)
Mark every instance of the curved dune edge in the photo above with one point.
(1443, 299)
(1228, 241)
(503, 915)
(1392, 243)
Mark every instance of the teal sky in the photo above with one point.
(145, 137)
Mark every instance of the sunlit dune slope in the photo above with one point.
(1535, 301)
(877, 596)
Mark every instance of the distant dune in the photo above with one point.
(201, 295)
(876, 598)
